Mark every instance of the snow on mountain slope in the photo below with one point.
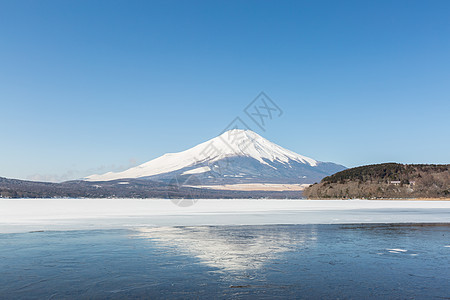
(234, 143)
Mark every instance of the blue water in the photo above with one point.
(270, 261)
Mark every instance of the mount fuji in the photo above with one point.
(235, 157)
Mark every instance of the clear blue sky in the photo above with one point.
(94, 86)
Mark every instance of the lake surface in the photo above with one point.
(259, 261)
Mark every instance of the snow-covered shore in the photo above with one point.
(22, 215)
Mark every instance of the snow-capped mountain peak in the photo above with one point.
(231, 145)
(238, 142)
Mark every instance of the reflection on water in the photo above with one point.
(270, 261)
(231, 248)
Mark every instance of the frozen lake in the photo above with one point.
(23, 215)
(133, 248)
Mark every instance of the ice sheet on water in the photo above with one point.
(21, 215)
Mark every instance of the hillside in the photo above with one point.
(389, 180)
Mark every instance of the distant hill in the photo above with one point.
(130, 188)
(389, 180)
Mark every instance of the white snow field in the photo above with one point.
(24, 215)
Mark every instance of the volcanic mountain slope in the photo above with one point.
(235, 157)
